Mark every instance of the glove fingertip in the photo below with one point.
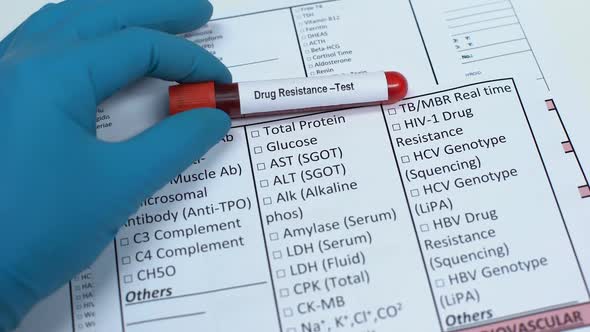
(208, 124)
(202, 14)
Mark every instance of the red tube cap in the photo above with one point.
(192, 95)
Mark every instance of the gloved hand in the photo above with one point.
(63, 193)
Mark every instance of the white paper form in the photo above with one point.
(467, 39)
(453, 209)
(474, 39)
(437, 204)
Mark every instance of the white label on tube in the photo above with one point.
(299, 93)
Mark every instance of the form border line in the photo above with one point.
(423, 42)
(567, 231)
(401, 179)
(262, 230)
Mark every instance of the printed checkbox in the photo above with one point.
(414, 193)
(126, 260)
(291, 329)
(124, 242)
(281, 274)
(288, 312)
(405, 159)
(274, 236)
(277, 254)
(392, 111)
(396, 127)
(128, 279)
(439, 283)
(284, 292)
(78, 307)
(257, 150)
(78, 297)
(264, 183)
(260, 166)
(424, 228)
(255, 133)
(267, 201)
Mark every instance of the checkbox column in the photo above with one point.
(284, 292)
(288, 312)
(277, 254)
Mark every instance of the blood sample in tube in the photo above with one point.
(274, 97)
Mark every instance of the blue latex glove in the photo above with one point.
(64, 194)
